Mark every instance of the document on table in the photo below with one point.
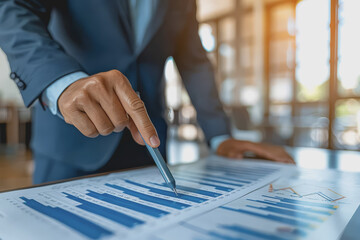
(219, 199)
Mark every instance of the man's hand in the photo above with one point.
(235, 149)
(106, 102)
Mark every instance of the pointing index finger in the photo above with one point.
(135, 107)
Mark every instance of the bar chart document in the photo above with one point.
(218, 199)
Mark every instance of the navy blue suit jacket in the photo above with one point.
(47, 39)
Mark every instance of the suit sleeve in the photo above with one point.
(198, 77)
(36, 60)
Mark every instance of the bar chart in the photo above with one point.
(275, 213)
(217, 199)
(135, 203)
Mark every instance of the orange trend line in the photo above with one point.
(271, 189)
(342, 197)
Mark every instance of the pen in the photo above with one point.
(163, 168)
(160, 163)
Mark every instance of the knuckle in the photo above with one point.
(65, 108)
(116, 73)
(81, 98)
(97, 79)
(90, 133)
(67, 120)
(148, 129)
(137, 105)
(121, 84)
(106, 131)
(121, 123)
(95, 83)
(120, 80)
(104, 126)
(119, 129)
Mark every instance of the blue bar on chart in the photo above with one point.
(121, 218)
(249, 174)
(214, 234)
(215, 176)
(304, 203)
(293, 222)
(242, 232)
(234, 170)
(138, 207)
(258, 169)
(193, 190)
(211, 180)
(75, 222)
(287, 212)
(221, 182)
(293, 207)
(169, 193)
(217, 187)
(149, 198)
(244, 176)
(251, 232)
(222, 236)
(243, 170)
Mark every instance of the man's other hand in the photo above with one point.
(104, 103)
(232, 148)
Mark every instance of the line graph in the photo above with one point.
(303, 191)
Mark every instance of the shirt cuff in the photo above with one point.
(52, 93)
(216, 141)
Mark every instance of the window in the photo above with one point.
(306, 89)
(312, 75)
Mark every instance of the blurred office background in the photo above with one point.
(287, 71)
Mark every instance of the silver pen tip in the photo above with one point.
(174, 189)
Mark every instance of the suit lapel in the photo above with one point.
(125, 17)
(154, 25)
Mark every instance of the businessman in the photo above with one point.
(79, 62)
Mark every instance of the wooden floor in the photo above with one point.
(16, 167)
